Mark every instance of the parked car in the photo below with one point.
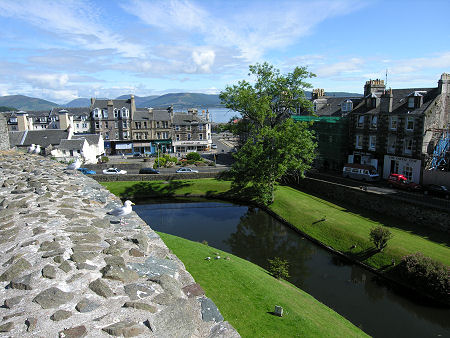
(87, 171)
(187, 170)
(437, 190)
(148, 171)
(213, 146)
(361, 172)
(401, 182)
(114, 171)
(137, 154)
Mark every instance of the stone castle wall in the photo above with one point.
(68, 269)
(4, 137)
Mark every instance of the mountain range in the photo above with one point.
(178, 100)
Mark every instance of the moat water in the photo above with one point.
(370, 303)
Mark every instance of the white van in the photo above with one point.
(360, 172)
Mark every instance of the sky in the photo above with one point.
(63, 50)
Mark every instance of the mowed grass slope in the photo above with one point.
(340, 230)
(246, 294)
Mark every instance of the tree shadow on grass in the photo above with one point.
(362, 255)
(150, 189)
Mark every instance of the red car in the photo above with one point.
(401, 182)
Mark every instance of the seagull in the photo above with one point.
(122, 211)
(74, 165)
(31, 148)
(37, 150)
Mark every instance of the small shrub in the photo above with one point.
(193, 156)
(105, 159)
(379, 237)
(205, 242)
(426, 274)
(279, 268)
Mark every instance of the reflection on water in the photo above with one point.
(353, 292)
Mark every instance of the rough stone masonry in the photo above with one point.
(67, 269)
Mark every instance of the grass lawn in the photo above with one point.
(246, 294)
(342, 228)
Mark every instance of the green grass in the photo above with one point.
(246, 294)
(342, 228)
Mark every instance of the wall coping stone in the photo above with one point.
(59, 248)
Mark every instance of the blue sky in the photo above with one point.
(62, 50)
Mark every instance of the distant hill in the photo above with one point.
(178, 100)
(185, 100)
(80, 102)
(22, 102)
(3, 109)
(141, 101)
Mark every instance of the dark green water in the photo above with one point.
(250, 233)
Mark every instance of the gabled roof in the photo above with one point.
(400, 102)
(43, 137)
(333, 105)
(119, 104)
(71, 111)
(72, 144)
(184, 118)
(92, 139)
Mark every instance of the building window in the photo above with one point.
(106, 124)
(145, 124)
(200, 127)
(359, 141)
(407, 172)
(200, 136)
(124, 112)
(157, 124)
(107, 136)
(189, 137)
(125, 135)
(373, 122)
(124, 124)
(97, 125)
(145, 136)
(347, 106)
(116, 113)
(372, 142)
(360, 122)
(315, 106)
(392, 139)
(411, 102)
(116, 135)
(165, 135)
(408, 146)
(158, 135)
(177, 127)
(138, 125)
(84, 125)
(188, 128)
(393, 123)
(116, 124)
(410, 123)
(166, 124)
(105, 113)
(78, 125)
(96, 113)
(178, 137)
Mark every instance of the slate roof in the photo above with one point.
(92, 139)
(161, 115)
(71, 144)
(119, 104)
(400, 102)
(333, 105)
(15, 138)
(183, 118)
(141, 115)
(43, 137)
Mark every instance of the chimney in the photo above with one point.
(22, 121)
(386, 101)
(444, 84)
(133, 106)
(317, 93)
(376, 87)
(207, 115)
(69, 132)
(64, 120)
(92, 101)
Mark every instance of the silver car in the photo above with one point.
(114, 171)
(187, 170)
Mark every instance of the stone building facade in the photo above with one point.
(395, 129)
(191, 131)
(4, 137)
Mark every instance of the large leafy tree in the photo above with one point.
(272, 144)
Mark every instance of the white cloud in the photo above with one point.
(204, 59)
(48, 80)
(75, 20)
(338, 68)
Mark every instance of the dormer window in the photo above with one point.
(96, 113)
(105, 113)
(315, 106)
(124, 112)
(373, 102)
(347, 106)
(411, 102)
(116, 113)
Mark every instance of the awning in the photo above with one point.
(147, 144)
(162, 141)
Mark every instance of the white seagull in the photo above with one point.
(74, 165)
(122, 211)
(31, 148)
(37, 150)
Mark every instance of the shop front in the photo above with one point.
(409, 167)
(190, 146)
